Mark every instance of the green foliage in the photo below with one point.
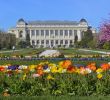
(27, 39)
(63, 84)
(106, 45)
(22, 44)
(87, 39)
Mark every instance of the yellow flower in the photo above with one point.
(54, 69)
(24, 76)
(77, 70)
(60, 70)
(99, 70)
(49, 77)
(99, 76)
(61, 63)
(32, 67)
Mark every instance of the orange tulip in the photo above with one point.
(66, 63)
(105, 66)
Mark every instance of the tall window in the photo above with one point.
(61, 32)
(37, 41)
(66, 32)
(52, 33)
(61, 41)
(70, 33)
(75, 32)
(66, 41)
(33, 42)
(47, 32)
(56, 42)
(33, 32)
(37, 32)
(42, 41)
(47, 41)
(56, 32)
(71, 41)
(42, 32)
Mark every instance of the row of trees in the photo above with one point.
(7, 40)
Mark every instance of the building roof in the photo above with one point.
(83, 20)
(52, 22)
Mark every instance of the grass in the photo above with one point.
(31, 51)
(56, 98)
(31, 62)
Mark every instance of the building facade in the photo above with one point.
(50, 33)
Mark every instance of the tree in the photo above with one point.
(27, 39)
(106, 45)
(104, 34)
(76, 41)
(22, 44)
(87, 39)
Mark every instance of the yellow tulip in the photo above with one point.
(99, 70)
(99, 76)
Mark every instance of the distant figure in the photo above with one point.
(13, 48)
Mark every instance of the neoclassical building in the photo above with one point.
(50, 33)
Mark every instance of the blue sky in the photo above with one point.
(94, 11)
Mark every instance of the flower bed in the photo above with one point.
(46, 78)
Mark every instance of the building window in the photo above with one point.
(70, 32)
(33, 42)
(66, 41)
(51, 41)
(42, 41)
(61, 32)
(75, 32)
(56, 42)
(42, 32)
(66, 32)
(33, 32)
(37, 32)
(61, 41)
(56, 32)
(47, 32)
(37, 41)
(71, 41)
(47, 41)
(51, 32)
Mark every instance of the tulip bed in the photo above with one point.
(55, 79)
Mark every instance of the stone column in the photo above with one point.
(79, 35)
(30, 37)
(35, 37)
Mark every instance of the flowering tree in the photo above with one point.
(104, 34)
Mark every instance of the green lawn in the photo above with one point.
(31, 51)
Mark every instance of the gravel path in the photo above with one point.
(9, 51)
(102, 52)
